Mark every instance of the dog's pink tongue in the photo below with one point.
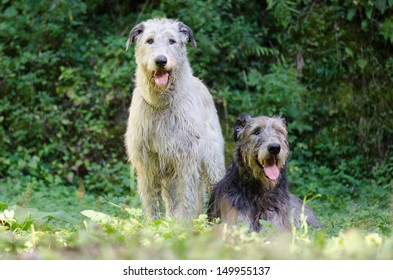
(271, 169)
(161, 79)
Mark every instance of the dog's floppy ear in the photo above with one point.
(188, 33)
(239, 125)
(134, 33)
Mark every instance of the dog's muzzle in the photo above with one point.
(269, 162)
(161, 75)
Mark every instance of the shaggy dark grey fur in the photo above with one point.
(255, 186)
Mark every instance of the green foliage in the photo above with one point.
(135, 237)
(18, 218)
(66, 80)
(63, 90)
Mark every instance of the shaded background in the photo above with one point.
(326, 66)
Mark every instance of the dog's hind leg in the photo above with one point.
(296, 206)
(214, 163)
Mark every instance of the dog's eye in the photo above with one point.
(150, 41)
(256, 131)
(171, 41)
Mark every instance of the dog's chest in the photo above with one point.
(264, 206)
(172, 134)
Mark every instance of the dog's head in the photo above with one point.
(263, 146)
(160, 48)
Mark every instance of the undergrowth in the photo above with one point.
(69, 223)
(24, 234)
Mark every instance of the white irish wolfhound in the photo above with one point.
(173, 137)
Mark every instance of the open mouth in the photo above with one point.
(161, 78)
(270, 167)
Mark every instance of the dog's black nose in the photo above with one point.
(161, 61)
(274, 148)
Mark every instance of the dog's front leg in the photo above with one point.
(181, 196)
(150, 193)
(228, 213)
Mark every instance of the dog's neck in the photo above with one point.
(263, 194)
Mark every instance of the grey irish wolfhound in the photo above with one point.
(173, 137)
(255, 186)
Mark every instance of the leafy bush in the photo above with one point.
(64, 90)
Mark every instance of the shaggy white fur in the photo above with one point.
(173, 137)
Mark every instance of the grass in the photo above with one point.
(43, 220)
